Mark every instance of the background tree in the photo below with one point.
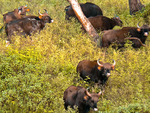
(146, 14)
(135, 5)
(84, 21)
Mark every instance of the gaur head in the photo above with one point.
(45, 17)
(91, 99)
(106, 68)
(118, 21)
(23, 10)
(144, 29)
(69, 12)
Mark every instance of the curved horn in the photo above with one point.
(138, 25)
(45, 10)
(39, 13)
(99, 63)
(88, 94)
(99, 93)
(114, 63)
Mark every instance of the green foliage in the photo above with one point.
(34, 74)
(144, 14)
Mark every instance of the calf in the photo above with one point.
(118, 36)
(80, 97)
(89, 9)
(97, 71)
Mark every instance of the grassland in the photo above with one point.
(34, 74)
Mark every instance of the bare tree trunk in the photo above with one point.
(135, 5)
(84, 21)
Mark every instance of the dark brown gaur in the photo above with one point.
(118, 36)
(89, 9)
(101, 23)
(96, 70)
(80, 97)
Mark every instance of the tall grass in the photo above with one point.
(34, 74)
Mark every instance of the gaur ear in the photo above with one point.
(113, 67)
(99, 67)
(85, 97)
(138, 29)
(27, 10)
(40, 17)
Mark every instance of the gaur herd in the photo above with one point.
(17, 22)
(91, 71)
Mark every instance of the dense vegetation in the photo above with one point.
(34, 74)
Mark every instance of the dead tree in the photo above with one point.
(83, 20)
(135, 5)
